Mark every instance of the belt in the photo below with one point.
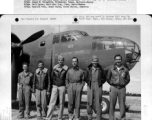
(24, 85)
(118, 86)
(76, 82)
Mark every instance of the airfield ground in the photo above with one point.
(134, 112)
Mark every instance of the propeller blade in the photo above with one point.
(14, 38)
(33, 37)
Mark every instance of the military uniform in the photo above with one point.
(74, 83)
(118, 79)
(58, 80)
(95, 78)
(41, 84)
(24, 92)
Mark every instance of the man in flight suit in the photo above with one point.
(58, 79)
(41, 84)
(24, 92)
(95, 78)
(118, 77)
(74, 83)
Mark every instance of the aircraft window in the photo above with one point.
(119, 44)
(42, 43)
(56, 39)
(71, 36)
(65, 38)
(108, 44)
(130, 45)
(84, 33)
(97, 45)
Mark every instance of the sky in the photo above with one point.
(131, 32)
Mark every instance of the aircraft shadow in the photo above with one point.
(130, 111)
(66, 117)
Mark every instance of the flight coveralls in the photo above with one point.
(74, 82)
(58, 80)
(41, 85)
(117, 79)
(95, 78)
(24, 92)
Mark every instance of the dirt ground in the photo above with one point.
(134, 112)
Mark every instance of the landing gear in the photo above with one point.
(105, 105)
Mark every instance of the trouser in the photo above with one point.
(74, 97)
(24, 100)
(94, 96)
(114, 93)
(41, 102)
(55, 92)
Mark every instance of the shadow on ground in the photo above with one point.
(15, 105)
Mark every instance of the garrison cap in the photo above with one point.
(94, 57)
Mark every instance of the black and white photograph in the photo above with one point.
(76, 72)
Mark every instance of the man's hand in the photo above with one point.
(34, 94)
(48, 93)
(67, 86)
(21, 86)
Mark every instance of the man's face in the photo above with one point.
(95, 62)
(40, 66)
(25, 67)
(74, 62)
(118, 60)
(60, 62)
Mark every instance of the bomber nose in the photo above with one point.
(132, 51)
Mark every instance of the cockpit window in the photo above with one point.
(119, 44)
(84, 33)
(103, 45)
(56, 39)
(98, 45)
(72, 36)
(108, 44)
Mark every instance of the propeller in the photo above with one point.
(14, 38)
(17, 43)
(33, 37)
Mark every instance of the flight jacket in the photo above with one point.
(117, 78)
(58, 77)
(101, 75)
(41, 80)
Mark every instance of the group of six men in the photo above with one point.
(72, 80)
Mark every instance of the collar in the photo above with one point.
(26, 74)
(121, 68)
(98, 66)
(77, 68)
(44, 70)
(58, 66)
(93, 68)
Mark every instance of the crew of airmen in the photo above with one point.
(72, 80)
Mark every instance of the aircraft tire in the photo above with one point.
(105, 105)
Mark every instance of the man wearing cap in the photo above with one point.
(41, 85)
(58, 79)
(25, 79)
(95, 78)
(74, 83)
(118, 77)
